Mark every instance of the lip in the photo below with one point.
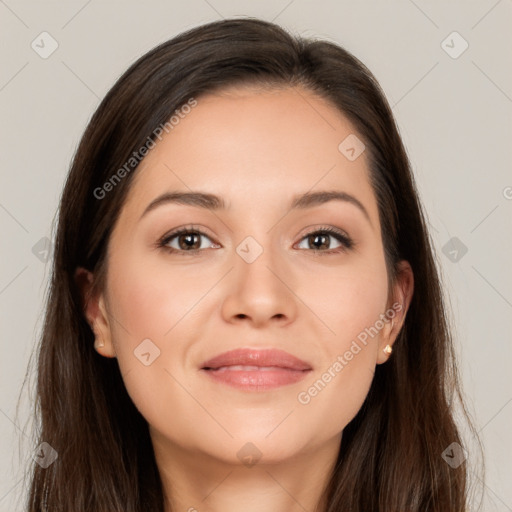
(256, 369)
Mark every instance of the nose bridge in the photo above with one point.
(254, 261)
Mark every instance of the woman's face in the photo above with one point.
(252, 273)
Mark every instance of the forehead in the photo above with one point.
(254, 146)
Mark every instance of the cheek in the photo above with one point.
(147, 345)
(151, 309)
(150, 299)
(352, 307)
(328, 403)
(335, 394)
(349, 301)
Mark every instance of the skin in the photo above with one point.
(257, 148)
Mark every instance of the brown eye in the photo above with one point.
(184, 240)
(189, 241)
(321, 241)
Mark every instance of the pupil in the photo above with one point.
(189, 241)
(315, 239)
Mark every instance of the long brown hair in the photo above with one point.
(390, 455)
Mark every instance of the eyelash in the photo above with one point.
(345, 240)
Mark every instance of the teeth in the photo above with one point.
(248, 368)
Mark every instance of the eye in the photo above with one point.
(183, 240)
(189, 239)
(319, 239)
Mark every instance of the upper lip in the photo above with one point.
(256, 357)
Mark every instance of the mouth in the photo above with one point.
(256, 370)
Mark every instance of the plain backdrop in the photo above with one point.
(452, 97)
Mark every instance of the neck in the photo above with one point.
(196, 482)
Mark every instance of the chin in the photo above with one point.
(252, 446)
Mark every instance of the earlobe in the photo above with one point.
(103, 343)
(97, 317)
(95, 311)
(386, 342)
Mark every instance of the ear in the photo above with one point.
(401, 297)
(95, 311)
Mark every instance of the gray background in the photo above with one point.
(454, 115)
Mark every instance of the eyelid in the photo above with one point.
(315, 228)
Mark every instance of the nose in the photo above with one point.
(260, 292)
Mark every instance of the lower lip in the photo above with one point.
(257, 380)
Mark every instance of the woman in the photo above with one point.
(245, 311)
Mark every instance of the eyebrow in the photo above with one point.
(213, 202)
